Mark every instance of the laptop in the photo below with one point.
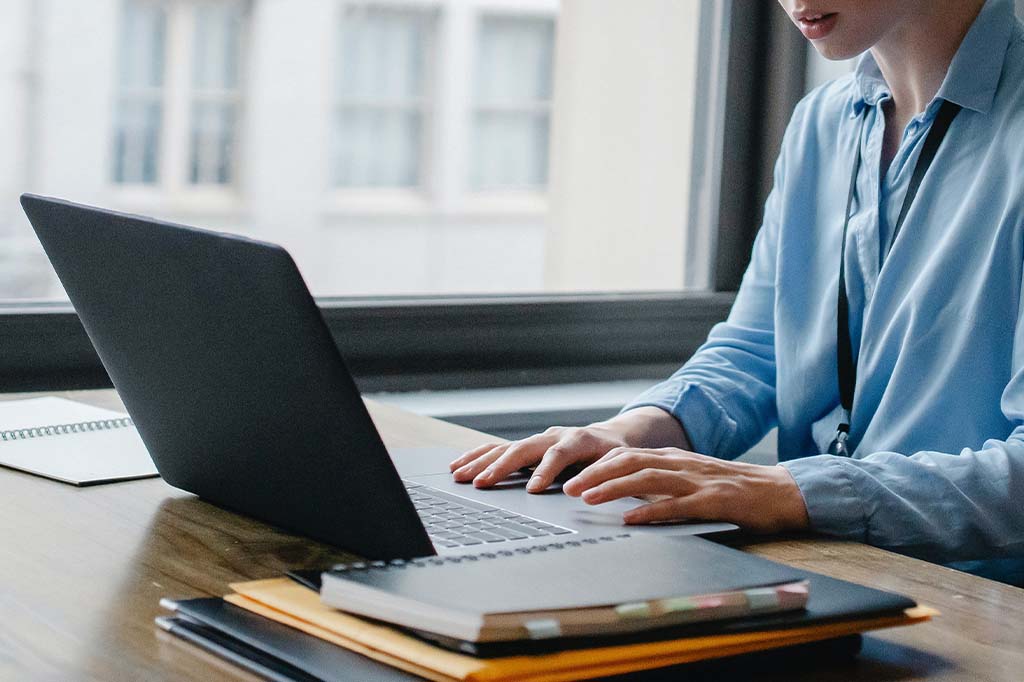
(236, 386)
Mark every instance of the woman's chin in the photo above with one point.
(836, 50)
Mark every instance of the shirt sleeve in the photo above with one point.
(933, 505)
(724, 396)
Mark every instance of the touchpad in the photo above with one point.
(423, 461)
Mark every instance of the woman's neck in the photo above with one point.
(915, 55)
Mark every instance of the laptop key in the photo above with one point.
(467, 540)
(528, 530)
(444, 535)
(507, 533)
(485, 536)
(455, 499)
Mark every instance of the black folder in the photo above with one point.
(283, 654)
(271, 650)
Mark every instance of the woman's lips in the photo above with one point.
(817, 26)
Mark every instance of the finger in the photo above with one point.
(614, 452)
(557, 458)
(469, 471)
(471, 455)
(608, 468)
(618, 452)
(519, 454)
(644, 482)
(696, 507)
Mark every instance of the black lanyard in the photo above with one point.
(846, 364)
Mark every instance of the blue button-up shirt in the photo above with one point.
(937, 429)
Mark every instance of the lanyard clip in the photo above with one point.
(838, 446)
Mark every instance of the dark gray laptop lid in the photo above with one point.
(225, 364)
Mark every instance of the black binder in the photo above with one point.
(282, 654)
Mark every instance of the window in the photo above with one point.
(215, 95)
(385, 64)
(178, 101)
(492, 150)
(512, 111)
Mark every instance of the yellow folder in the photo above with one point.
(291, 604)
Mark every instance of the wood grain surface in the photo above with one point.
(82, 571)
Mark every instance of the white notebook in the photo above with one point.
(71, 442)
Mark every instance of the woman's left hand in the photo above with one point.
(759, 498)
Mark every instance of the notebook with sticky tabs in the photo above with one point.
(575, 588)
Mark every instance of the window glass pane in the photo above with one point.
(211, 146)
(142, 37)
(216, 61)
(510, 150)
(216, 46)
(394, 147)
(383, 53)
(137, 140)
(514, 63)
(138, 112)
(377, 148)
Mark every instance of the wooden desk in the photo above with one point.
(82, 570)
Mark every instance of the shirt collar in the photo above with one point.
(973, 75)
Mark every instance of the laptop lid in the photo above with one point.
(230, 373)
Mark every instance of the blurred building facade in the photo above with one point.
(391, 146)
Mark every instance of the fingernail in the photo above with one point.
(590, 496)
(483, 476)
(534, 484)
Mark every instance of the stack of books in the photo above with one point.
(565, 610)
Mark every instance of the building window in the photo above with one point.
(512, 108)
(179, 93)
(385, 64)
(140, 110)
(215, 96)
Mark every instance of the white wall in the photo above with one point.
(621, 144)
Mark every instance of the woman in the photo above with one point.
(914, 378)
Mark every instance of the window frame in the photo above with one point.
(426, 105)
(476, 108)
(177, 95)
(461, 341)
(445, 186)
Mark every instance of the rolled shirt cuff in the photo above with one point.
(827, 484)
(703, 418)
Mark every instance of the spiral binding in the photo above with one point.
(459, 558)
(63, 429)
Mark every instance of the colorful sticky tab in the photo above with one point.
(543, 629)
(639, 609)
(678, 604)
(762, 598)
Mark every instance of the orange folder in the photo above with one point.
(289, 603)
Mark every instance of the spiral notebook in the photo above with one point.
(573, 588)
(71, 442)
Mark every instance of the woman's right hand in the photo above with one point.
(560, 447)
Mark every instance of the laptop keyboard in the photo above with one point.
(453, 521)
